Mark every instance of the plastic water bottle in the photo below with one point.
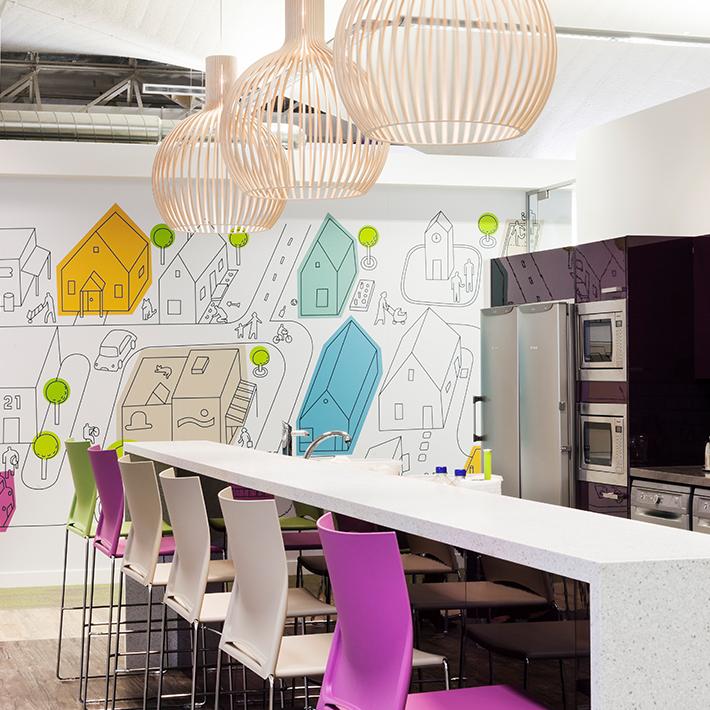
(459, 476)
(441, 476)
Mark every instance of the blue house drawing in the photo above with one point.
(328, 272)
(343, 386)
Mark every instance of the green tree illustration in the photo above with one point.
(163, 237)
(238, 238)
(45, 446)
(259, 357)
(56, 392)
(488, 224)
(368, 236)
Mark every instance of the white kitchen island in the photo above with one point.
(650, 585)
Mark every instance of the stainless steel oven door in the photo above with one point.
(601, 341)
(602, 443)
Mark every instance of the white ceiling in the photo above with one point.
(597, 80)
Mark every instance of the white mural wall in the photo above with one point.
(362, 313)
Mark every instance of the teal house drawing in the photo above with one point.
(328, 272)
(343, 386)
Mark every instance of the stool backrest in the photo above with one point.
(440, 550)
(191, 530)
(104, 463)
(140, 484)
(536, 580)
(255, 618)
(81, 513)
(370, 661)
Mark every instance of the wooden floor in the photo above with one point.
(28, 660)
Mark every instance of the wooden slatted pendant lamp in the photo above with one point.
(445, 72)
(285, 133)
(192, 188)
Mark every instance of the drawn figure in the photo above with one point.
(456, 285)
(282, 334)
(220, 315)
(147, 310)
(240, 331)
(10, 459)
(7, 498)
(253, 324)
(49, 309)
(90, 433)
(468, 272)
(164, 370)
(245, 439)
(32, 313)
(382, 308)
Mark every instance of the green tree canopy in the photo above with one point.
(238, 238)
(259, 356)
(56, 391)
(488, 223)
(368, 236)
(162, 236)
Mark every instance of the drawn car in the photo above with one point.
(114, 350)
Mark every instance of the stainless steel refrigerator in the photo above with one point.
(527, 399)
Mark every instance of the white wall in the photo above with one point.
(62, 190)
(647, 173)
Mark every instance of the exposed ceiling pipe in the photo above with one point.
(83, 127)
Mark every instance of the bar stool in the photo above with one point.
(107, 541)
(369, 665)
(143, 547)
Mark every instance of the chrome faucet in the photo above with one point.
(328, 434)
(287, 435)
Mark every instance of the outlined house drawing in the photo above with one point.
(421, 380)
(328, 272)
(439, 248)
(108, 271)
(21, 263)
(184, 394)
(342, 388)
(188, 282)
(26, 368)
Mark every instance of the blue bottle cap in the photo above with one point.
(441, 469)
(460, 472)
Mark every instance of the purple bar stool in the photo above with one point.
(370, 662)
(108, 541)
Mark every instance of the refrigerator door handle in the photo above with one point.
(476, 437)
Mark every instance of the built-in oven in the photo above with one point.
(601, 341)
(602, 443)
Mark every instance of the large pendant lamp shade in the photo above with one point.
(191, 185)
(285, 132)
(444, 72)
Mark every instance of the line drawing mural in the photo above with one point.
(440, 272)
(207, 395)
(420, 383)
(390, 449)
(398, 316)
(47, 306)
(488, 224)
(362, 295)
(328, 272)
(8, 502)
(515, 241)
(21, 264)
(368, 236)
(115, 349)
(342, 388)
(108, 271)
(192, 279)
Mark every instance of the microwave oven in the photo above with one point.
(602, 438)
(601, 341)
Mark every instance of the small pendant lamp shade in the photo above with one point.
(444, 72)
(285, 133)
(191, 186)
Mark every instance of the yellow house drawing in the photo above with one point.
(108, 271)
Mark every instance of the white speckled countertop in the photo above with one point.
(650, 585)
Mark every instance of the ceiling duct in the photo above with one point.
(83, 127)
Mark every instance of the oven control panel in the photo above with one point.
(619, 445)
